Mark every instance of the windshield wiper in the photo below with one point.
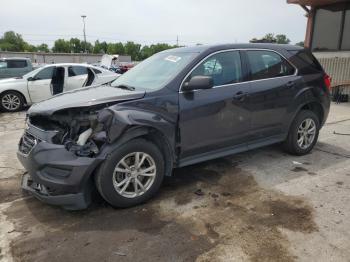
(126, 87)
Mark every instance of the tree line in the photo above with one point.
(277, 39)
(11, 41)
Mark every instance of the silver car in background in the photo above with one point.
(14, 67)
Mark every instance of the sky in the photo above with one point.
(153, 21)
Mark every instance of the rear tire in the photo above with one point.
(303, 133)
(11, 101)
(117, 176)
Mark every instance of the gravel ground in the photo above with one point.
(262, 205)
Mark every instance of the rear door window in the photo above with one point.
(225, 68)
(77, 71)
(16, 63)
(268, 64)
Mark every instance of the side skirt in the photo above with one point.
(229, 151)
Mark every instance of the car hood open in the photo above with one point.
(85, 97)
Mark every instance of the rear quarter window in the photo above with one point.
(96, 71)
(306, 62)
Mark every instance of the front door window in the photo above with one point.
(225, 68)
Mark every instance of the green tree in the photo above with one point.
(43, 48)
(29, 48)
(12, 41)
(148, 51)
(89, 47)
(145, 52)
(301, 43)
(282, 39)
(100, 47)
(116, 48)
(132, 49)
(61, 46)
(76, 46)
(271, 38)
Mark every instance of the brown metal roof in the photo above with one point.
(315, 2)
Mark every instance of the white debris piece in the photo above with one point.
(83, 137)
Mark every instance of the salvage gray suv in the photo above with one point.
(177, 108)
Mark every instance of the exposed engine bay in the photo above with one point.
(79, 130)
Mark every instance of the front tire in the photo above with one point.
(11, 101)
(303, 133)
(132, 174)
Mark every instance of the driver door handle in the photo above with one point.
(290, 84)
(240, 96)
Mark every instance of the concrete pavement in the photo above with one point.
(262, 205)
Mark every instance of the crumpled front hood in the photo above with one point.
(84, 97)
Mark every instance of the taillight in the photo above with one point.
(327, 81)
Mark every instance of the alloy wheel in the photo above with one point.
(134, 174)
(11, 102)
(306, 133)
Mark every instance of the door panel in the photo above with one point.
(269, 101)
(273, 88)
(213, 119)
(77, 76)
(75, 82)
(216, 118)
(39, 90)
(40, 87)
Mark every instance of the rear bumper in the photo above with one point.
(57, 176)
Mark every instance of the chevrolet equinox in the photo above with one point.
(177, 108)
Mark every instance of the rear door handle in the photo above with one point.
(240, 96)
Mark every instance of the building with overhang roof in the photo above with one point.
(328, 36)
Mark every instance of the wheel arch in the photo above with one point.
(316, 108)
(150, 134)
(16, 91)
(313, 106)
(19, 94)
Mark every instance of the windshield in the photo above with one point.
(154, 72)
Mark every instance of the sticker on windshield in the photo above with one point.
(173, 58)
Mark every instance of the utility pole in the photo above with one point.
(84, 16)
(177, 40)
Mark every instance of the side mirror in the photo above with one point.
(31, 78)
(198, 82)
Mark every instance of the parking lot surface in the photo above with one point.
(262, 205)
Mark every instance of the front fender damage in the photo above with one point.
(94, 132)
(117, 121)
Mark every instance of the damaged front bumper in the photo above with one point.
(55, 175)
(75, 201)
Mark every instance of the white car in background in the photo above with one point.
(48, 81)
